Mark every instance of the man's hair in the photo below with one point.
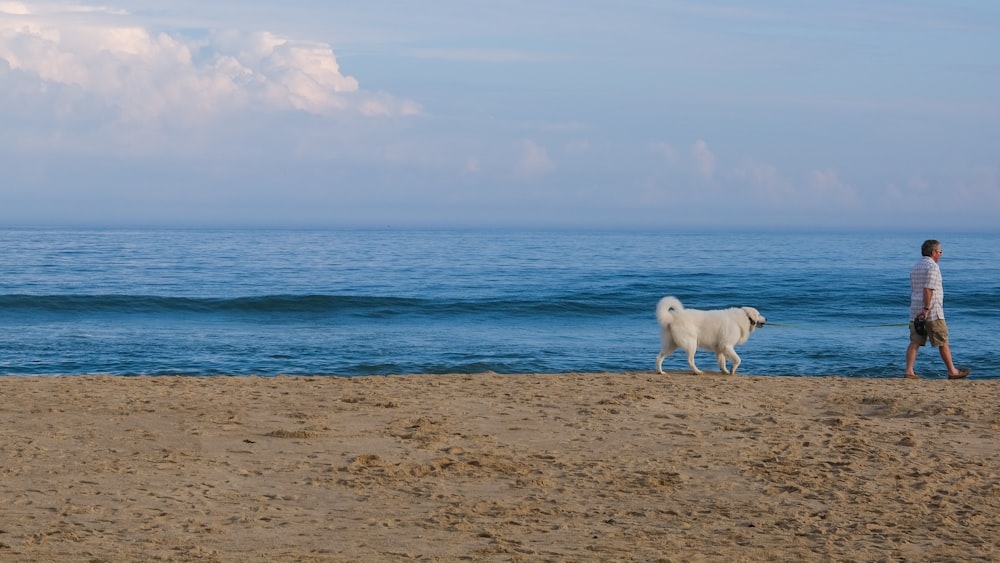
(929, 247)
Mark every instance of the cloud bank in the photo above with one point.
(101, 58)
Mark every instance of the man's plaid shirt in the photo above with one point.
(926, 273)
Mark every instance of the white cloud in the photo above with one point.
(148, 75)
(827, 187)
(13, 8)
(975, 188)
(821, 187)
(704, 159)
(766, 181)
(978, 187)
(665, 150)
(534, 161)
(914, 187)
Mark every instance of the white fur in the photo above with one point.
(716, 331)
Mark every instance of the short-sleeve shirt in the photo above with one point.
(926, 273)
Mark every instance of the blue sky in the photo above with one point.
(540, 113)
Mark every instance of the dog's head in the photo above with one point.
(756, 319)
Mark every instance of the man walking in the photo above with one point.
(927, 305)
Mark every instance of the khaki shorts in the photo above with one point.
(937, 333)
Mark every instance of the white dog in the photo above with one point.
(717, 331)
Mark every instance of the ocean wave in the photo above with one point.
(277, 305)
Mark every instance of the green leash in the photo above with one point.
(868, 326)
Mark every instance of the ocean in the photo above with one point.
(389, 301)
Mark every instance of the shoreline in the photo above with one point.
(925, 376)
(503, 467)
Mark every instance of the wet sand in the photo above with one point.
(488, 467)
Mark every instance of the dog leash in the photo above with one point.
(864, 326)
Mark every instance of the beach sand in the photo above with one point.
(488, 467)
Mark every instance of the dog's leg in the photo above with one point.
(666, 350)
(722, 362)
(734, 357)
(694, 368)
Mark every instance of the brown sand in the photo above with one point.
(564, 467)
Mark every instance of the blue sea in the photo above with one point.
(371, 302)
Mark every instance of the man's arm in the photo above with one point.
(928, 298)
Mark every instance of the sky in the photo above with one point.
(635, 114)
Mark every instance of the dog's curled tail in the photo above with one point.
(663, 308)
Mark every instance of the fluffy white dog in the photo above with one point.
(717, 331)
